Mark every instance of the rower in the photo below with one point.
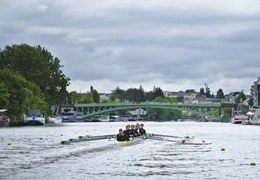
(142, 130)
(133, 132)
(137, 126)
(127, 131)
(121, 136)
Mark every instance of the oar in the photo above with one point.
(88, 138)
(162, 135)
(91, 138)
(162, 139)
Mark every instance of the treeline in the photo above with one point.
(30, 78)
(119, 95)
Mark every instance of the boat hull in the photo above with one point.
(126, 143)
(4, 123)
(238, 119)
(255, 121)
(38, 121)
(56, 120)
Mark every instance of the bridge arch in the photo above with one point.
(89, 110)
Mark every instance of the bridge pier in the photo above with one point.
(228, 106)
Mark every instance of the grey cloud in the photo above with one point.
(142, 42)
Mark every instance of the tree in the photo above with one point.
(202, 91)
(240, 97)
(251, 102)
(95, 95)
(140, 94)
(117, 94)
(38, 66)
(220, 94)
(180, 98)
(158, 92)
(190, 91)
(18, 95)
(86, 98)
(208, 95)
(73, 97)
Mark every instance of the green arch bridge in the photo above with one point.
(89, 110)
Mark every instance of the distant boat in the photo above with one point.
(55, 120)
(72, 116)
(237, 119)
(105, 118)
(256, 119)
(4, 121)
(34, 118)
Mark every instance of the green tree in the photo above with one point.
(180, 98)
(135, 95)
(156, 92)
(202, 91)
(141, 94)
(208, 95)
(220, 94)
(117, 94)
(86, 98)
(190, 91)
(37, 65)
(251, 102)
(240, 98)
(105, 101)
(19, 95)
(96, 97)
(73, 97)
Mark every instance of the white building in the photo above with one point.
(255, 92)
(104, 95)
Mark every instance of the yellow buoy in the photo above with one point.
(203, 141)
(8, 144)
(222, 149)
(252, 164)
(76, 132)
(40, 138)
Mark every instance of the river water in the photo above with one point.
(36, 152)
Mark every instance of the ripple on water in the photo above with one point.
(30, 157)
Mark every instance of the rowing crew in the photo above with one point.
(131, 132)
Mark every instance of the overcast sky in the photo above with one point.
(172, 44)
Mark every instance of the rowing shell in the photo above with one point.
(126, 143)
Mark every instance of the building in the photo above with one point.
(255, 92)
(104, 95)
(188, 97)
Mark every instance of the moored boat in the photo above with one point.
(105, 118)
(34, 118)
(256, 119)
(237, 119)
(4, 121)
(55, 120)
